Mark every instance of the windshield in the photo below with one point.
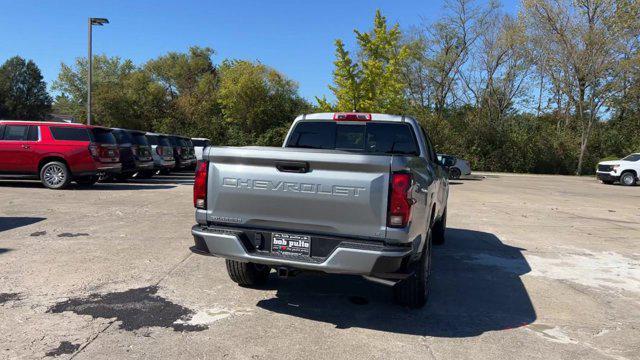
(632, 157)
(139, 139)
(102, 136)
(370, 137)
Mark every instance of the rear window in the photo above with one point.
(139, 139)
(164, 141)
(69, 133)
(369, 137)
(152, 139)
(200, 143)
(174, 141)
(102, 136)
(122, 137)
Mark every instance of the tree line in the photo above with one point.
(552, 89)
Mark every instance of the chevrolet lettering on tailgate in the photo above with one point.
(335, 190)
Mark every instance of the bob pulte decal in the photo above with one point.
(287, 186)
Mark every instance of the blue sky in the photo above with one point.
(295, 37)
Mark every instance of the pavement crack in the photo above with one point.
(174, 268)
(92, 339)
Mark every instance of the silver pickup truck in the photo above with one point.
(348, 193)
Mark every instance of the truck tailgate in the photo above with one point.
(299, 190)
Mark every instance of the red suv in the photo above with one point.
(57, 153)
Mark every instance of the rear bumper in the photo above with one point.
(144, 165)
(186, 163)
(348, 258)
(109, 168)
(163, 164)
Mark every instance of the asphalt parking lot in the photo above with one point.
(535, 267)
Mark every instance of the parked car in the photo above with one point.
(162, 152)
(626, 170)
(135, 154)
(455, 166)
(198, 146)
(348, 193)
(57, 153)
(182, 152)
(191, 153)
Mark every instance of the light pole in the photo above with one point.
(99, 22)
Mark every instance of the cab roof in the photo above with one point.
(35, 122)
(371, 116)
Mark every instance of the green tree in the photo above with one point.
(23, 92)
(108, 74)
(258, 103)
(347, 78)
(373, 82)
(189, 81)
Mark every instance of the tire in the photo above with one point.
(55, 175)
(414, 290)
(106, 178)
(146, 174)
(123, 177)
(440, 229)
(628, 179)
(454, 173)
(247, 274)
(86, 180)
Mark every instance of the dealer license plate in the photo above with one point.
(290, 244)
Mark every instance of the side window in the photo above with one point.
(69, 133)
(16, 132)
(33, 134)
(431, 154)
(1, 131)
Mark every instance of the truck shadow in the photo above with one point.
(11, 222)
(476, 288)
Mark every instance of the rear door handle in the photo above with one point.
(299, 167)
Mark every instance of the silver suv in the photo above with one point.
(162, 153)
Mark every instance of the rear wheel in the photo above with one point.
(454, 173)
(86, 180)
(247, 274)
(146, 174)
(123, 177)
(439, 229)
(414, 290)
(628, 179)
(55, 175)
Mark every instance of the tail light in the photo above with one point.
(93, 149)
(351, 117)
(135, 150)
(400, 201)
(200, 185)
(159, 150)
(179, 150)
(103, 153)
